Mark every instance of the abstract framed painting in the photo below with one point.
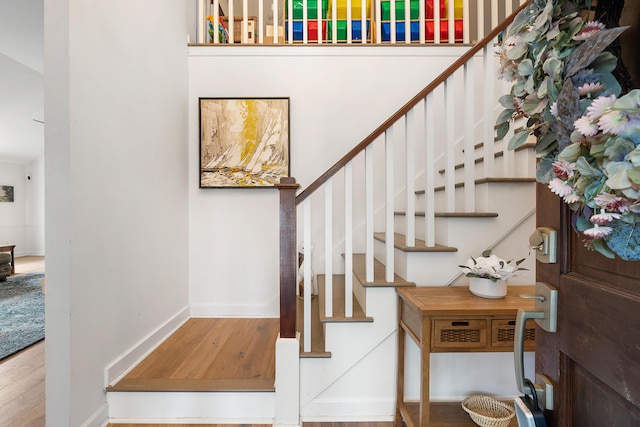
(244, 142)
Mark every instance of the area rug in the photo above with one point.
(21, 313)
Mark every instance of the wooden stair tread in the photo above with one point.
(399, 243)
(455, 214)
(338, 302)
(208, 355)
(317, 331)
(359, 270)
(478, 181)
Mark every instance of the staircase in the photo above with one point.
(405, 207)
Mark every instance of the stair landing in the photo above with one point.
(209, 354)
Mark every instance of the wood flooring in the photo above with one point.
(206, 354)
(22, 374)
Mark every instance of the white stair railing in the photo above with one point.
(436, 130)
(350, 21)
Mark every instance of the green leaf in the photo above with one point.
(589, 50)
(617, 148)
(518, 139)
(630, 101)
(544, 171)
(553, 67)
(604, 63)
(617, 172)
(634, 175)
(525, 68)
(585, 169)
(506, 101)
(545, 141)
(505, 116)
(517, 52)
(502, 130)
(600, 246)
(568, 112)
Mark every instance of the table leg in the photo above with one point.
(400, 385)
(425, 368)
(13, 263)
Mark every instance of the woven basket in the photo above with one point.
(487, 411)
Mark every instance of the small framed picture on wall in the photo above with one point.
(6, 193)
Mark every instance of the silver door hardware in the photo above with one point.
(546, 316)
(544, 241)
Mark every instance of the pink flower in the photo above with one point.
(612, 122)
(589, 88)
(599, 106)
(585, 126)
(560, 187)
(598, 232)
(588, 30)
(563, 169)
(604, 218)
(571, 198)
(611, 202)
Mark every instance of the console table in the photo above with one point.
(9, 248)
(451, 319)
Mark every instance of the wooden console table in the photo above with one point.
(451, 319)
(9, 248)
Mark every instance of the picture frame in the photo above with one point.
(244, 142)
(6, 193)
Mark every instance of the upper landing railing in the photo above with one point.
(378, 22)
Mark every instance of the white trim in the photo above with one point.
(191, 407)
(327, 410)
(125, 362)
(330, 50)
(287, 399)
(100, 418)
(266, 309)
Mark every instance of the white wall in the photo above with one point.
(338, 96)
(116, 188)
(22, 222)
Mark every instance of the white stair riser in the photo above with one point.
(519, 164)
(204, 407)
(335, 387)
(490, 196)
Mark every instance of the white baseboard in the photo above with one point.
(131, 357)
(99, 418)
(325, 410)
(269, 309)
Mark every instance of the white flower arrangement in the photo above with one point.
(491, 267)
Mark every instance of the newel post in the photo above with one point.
(288, 264)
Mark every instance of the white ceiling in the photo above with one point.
(21, 80)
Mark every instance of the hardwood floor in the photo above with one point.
(22, 374)
(381, 424)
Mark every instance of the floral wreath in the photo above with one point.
(587, 135)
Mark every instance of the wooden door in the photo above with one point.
(594, 358)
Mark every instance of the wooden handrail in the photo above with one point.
(408, 106)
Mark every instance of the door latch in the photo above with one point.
(545, 242)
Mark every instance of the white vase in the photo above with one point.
(487, 288)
